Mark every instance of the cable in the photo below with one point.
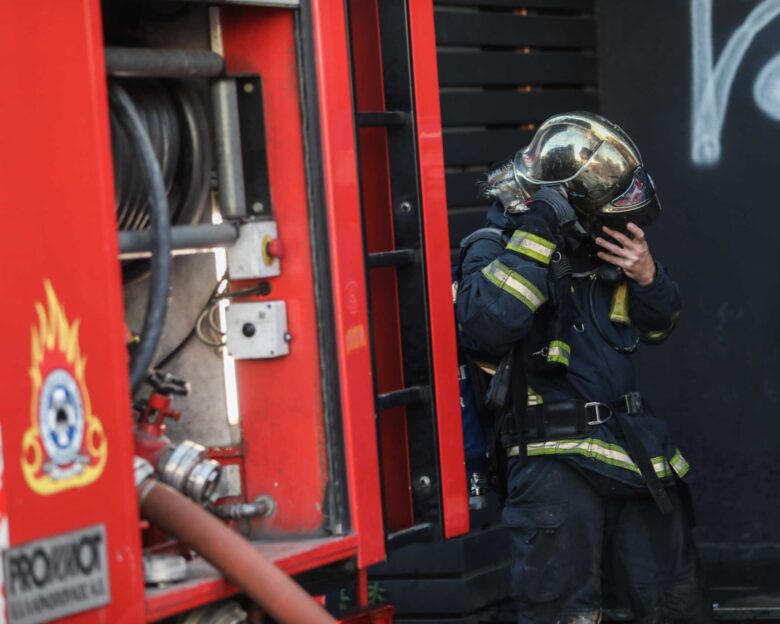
(152, 177)
(212, 334)
(209, 308)
(173, 353)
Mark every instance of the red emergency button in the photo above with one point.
(271, 249)
(275, 249)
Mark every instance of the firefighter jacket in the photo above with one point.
(500, 301)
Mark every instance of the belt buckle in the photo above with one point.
(633, 403)
(599, 420)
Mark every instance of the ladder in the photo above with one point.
(396, 259)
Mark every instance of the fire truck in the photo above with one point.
(229, 356)
(229, 363)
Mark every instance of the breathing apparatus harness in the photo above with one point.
(511, 422)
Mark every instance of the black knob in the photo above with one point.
(248, 330)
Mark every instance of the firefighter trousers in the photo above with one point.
(578, 537)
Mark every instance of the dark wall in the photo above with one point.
(505, 66)
(717, 379)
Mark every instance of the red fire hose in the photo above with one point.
(280, 596)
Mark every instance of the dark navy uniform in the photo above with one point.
(573, 498)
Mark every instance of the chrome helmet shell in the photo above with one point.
(593, 160)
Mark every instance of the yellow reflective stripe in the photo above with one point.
(538, 240)
(657, 336)
(558, 351)
(618, 311)
(534, 398)
(559, 344)
(530, 245)
(597, 449)
(513, 283)
(661, 467)
(680, 464)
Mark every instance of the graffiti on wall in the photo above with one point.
(712, 83)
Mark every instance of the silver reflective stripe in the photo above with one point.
(558, 352)
(533, 246)
(534, 398)
(680, 465)
(515, 284)
(593, 448)
(561, 346)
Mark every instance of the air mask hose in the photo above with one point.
(160, 281)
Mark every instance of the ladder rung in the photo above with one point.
(383, 118)
(405, 396)
(394, 258)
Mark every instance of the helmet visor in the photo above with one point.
(640, 192)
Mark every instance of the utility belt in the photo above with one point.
(570, 418)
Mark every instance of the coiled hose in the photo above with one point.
(177, 127)
(149, 180)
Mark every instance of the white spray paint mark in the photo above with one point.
(712, 87)
(766, 89)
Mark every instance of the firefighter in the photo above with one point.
(552, 301)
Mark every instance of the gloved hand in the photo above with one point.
(551, 216)
(550, 204)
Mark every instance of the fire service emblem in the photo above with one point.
(65, 446)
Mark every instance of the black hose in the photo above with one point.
(160, 232)
(173, 353)
(157, 112)
(196, 160)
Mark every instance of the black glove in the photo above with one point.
(552, 206)
(552, 217)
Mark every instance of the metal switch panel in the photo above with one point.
(257, 330)
(249, 256)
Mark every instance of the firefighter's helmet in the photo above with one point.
(593, 160)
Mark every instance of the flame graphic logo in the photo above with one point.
(65, 446)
